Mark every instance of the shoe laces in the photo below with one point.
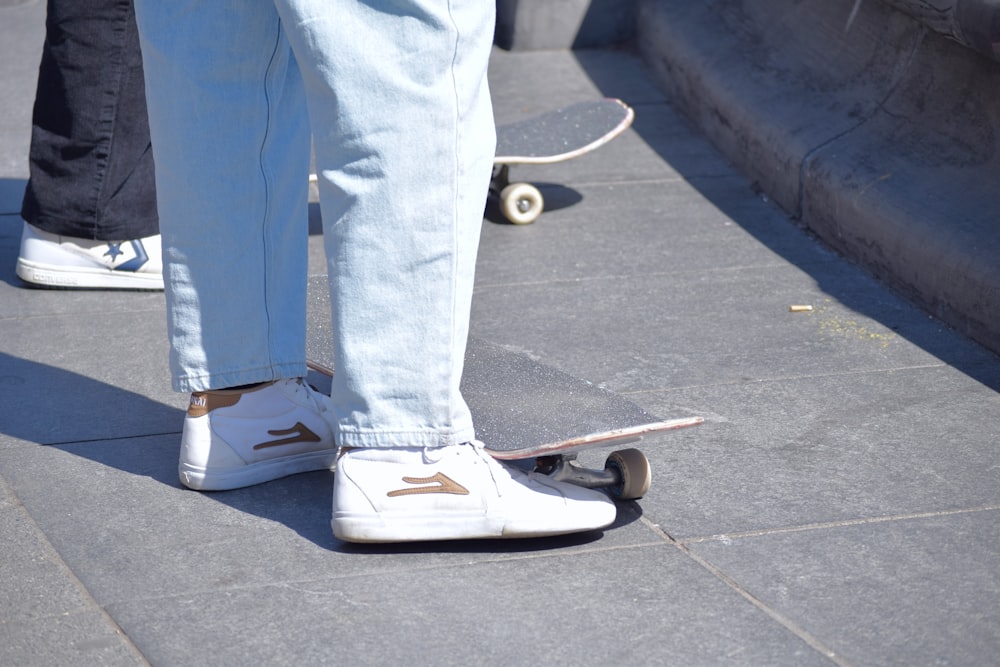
(475, 449)
(479, 448)
(303, 389)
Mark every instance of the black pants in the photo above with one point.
(91, 164)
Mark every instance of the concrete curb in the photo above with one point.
(974, 23)
(882, 138)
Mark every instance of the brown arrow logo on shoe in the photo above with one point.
(438, 483)
(298, 433)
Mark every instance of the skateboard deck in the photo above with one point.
(554, 136)
(521, 409)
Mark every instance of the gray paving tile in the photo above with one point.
(77, 377)
(36, 583)
(158, 539)
(683, 333)
(21, 302)
(634, 606)
(816, 449)
(917, 591)
(87, 638)
(662, 229)
(46, 616)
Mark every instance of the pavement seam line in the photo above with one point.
(56, 559)
(770, 266)
(89, 441)
(864, 521)
(797, 630)
(783, 378)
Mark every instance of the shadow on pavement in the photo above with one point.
(923, 331)
(129, 432)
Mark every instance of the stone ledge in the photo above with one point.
(973, 23)
(883, 139)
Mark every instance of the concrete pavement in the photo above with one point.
(839, 506)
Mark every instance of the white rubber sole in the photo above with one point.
(48, 275)
(205, 479)
(366, 528)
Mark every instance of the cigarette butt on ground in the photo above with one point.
(800, 308)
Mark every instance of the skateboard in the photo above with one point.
(626, 474)
(528, 413)
(554, 136)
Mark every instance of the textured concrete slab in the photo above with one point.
(908, 590)
(157, 539)
(59, 384)
(815, 449)
(18, 299)
(36, 584)
(44, 609)
(675, 327)
(911, 193)
(71, 638)
(660, 228)
(647, 603)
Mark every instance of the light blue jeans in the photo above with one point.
(394, 94)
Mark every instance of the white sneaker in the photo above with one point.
(238, 437)
(64, 261)
(456, 492)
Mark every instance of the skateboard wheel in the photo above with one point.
(633, 469)
(521, 203)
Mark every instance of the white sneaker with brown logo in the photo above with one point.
(238, 437)
(456, 492)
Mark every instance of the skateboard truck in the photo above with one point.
(626, 474)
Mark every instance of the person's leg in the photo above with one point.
(231, 138)
(404, 139)
(90, 202)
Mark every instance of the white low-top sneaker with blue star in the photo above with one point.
(51, 260)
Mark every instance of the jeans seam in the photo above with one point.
(453, 399)
(265, 222)
(109, 117)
